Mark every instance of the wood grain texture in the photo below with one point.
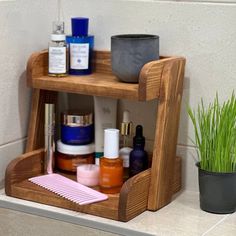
(96, 84)
(150, 80)
(134, 196)
(101, 82)
(29, 191)
(36, 124)
(131, 201)
(163, 164)
(102, 62)
(26, 166)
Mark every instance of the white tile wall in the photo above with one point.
(8, 152)
(202, 32)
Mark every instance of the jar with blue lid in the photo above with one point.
(77, 127)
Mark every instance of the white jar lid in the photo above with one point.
(75, 149)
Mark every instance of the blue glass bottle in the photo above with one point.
(80, 47)
(138, 156)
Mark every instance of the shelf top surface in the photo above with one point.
(97, 84)
(103, 82)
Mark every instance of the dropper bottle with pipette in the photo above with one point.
(57, 51)
(126, 132)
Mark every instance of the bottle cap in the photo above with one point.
(139, 139)
(58, 31)
(111, 143)
(126, 125)
(79, 26)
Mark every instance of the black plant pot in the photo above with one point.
(217, 191)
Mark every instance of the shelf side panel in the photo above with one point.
(35, 138)
(150, 80)
(26, 166)
(163, 164)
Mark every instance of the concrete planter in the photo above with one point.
(130, 52)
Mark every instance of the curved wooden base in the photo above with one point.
(131, 201)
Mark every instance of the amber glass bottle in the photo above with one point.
(111, 165)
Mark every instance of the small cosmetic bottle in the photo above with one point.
(138, 156)
(111, 165)
(81, 47)
(57, 51)
(124, 153)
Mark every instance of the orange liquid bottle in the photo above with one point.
(111, 165)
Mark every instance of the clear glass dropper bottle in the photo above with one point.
(57, 51)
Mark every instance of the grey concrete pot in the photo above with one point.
(130, 52)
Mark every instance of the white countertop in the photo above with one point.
(181, 217)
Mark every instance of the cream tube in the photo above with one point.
(49, 138)
(105, 117)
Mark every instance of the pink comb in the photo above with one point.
(68, 189)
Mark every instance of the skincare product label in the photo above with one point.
(57, 60)
(79, 56)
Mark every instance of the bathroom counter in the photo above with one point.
(181, 217)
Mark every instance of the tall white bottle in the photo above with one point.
(105, 118)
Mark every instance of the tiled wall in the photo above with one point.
(202, 32)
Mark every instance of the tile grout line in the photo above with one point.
(13, 141)
(214, 226)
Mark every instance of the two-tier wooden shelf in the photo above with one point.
(151, 189)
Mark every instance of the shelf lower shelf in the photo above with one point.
(131, 201)
(29, 191)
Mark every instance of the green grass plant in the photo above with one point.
(215, 134)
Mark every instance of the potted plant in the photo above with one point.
(215, 139)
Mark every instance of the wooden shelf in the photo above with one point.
(95, 84)
(101, 82)
(149, 190)
(131, 201)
